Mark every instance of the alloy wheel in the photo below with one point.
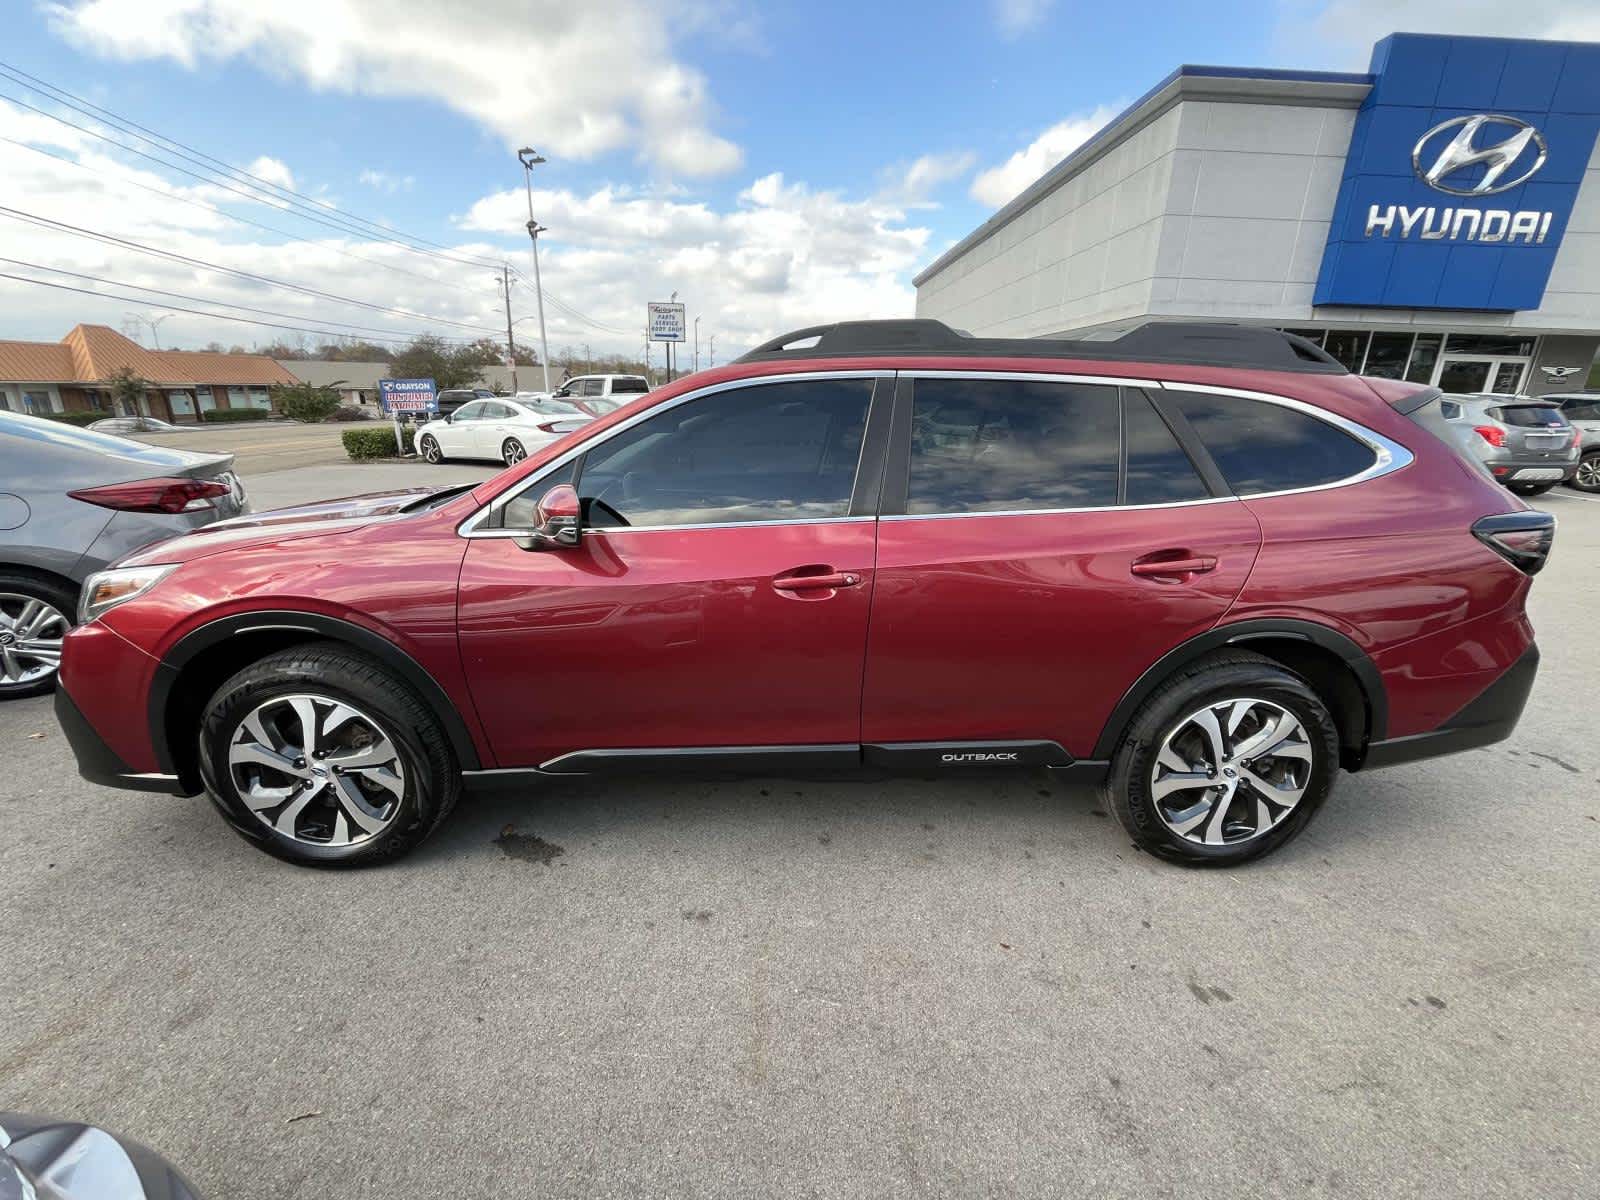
(513, 452)
(316, 770)
(30, 639)
(430, 450)
(1587, 476)
(1231, 771)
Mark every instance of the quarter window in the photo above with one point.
(1003, 445)
(1263, 447)
(774, 452)
(1159, 472)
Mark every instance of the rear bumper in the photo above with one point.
(98, 762)
(1488, 719)
(1533, 469)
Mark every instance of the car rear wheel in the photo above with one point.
(1530, 489)
(513, 452)
(1226, 762)
(321, 757)
(34, 616)
(1587, 477)
(430, 449)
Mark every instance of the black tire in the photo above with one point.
(1588, 477)
(428, 447)
(432, 777)
(62, 599)
(512, 452)
(1530, 489)
(1218, 678)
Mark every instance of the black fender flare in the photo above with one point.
(375, 645)
(1241, 634)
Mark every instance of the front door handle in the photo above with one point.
(1197, 565)
(807, 583)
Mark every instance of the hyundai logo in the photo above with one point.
(1462, 151)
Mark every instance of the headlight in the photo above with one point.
(104, 590)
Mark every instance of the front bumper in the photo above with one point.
(98, 762)
(1488, 719)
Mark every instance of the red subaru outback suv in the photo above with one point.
(1201, 566)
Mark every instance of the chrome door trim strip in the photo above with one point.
(469, 528)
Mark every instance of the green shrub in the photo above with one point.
(364, 444)
(75, 418)
(304, 402)
(217, 416)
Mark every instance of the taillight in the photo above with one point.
(1577, 439)
(155, 495)
(566, 426)
(1492, 434)
(1523, 539)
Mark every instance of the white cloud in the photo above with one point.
(385, 182)
(913, 184)
(579, 79)
(1016, 17)
(273, 171)
(1346, 29)
(780, 256)
(996, 185)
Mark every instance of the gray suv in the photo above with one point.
(71, 503)
(1523, 441)
(1583, 410)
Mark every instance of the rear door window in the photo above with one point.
(1006, 445)
(1264, 447)
(1159, 472)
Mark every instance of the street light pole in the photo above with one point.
(528, 158)
(711, 353)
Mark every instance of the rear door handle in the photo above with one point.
(806, 583)
(1175, 566)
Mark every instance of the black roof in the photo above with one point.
(1191, 343)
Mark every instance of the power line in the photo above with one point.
(575, 314)
(266, 312)
(261, 191)
(64, 287)
(110, 239)
(228, 216)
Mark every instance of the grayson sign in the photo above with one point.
(666, 322)
(408, 396)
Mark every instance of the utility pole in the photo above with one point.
(697, 343)
(153, 322)
(511, 345)
(588, 360)
(711, 353)
(529, 159)
(672, 299)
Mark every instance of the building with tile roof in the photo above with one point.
(75, 374)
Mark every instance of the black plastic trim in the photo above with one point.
(704, 758)
(1188, 343)
(363, 639)
(1489, 718)
(1242, 633)
(98, 762)
(1189, 441)
(864, 496)
(1086, 772)
(922, 755)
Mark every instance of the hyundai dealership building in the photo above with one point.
(1435, 219)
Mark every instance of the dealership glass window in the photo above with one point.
(1490, 343)
(259, 398)
(204, 398)
(1508, 377)
(1424, 356)
(772, 452)
(1349, 346)
(1159, 472)
(35, 402)
(1386, 358)
(181, 404)
(1311, 335)
(998, 445)
(1261, 447)
(237, 397)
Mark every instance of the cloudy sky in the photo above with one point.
(776, 164)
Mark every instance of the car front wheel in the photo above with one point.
(513, 452)
(1587, 477)
(34, 616)
(430, 449)
(323, 758)
(1226, 762)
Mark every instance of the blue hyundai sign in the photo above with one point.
(1464, 163)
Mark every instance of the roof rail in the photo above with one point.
(1189, 343)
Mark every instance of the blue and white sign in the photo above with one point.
(408, 396)
(1464, 164)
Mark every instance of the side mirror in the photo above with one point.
(558, 516)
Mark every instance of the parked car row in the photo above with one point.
(1194, 555)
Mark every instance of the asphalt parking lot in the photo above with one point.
(871, 987)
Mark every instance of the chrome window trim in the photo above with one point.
(470, 527)
(1388, 455)
(1028, 377)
